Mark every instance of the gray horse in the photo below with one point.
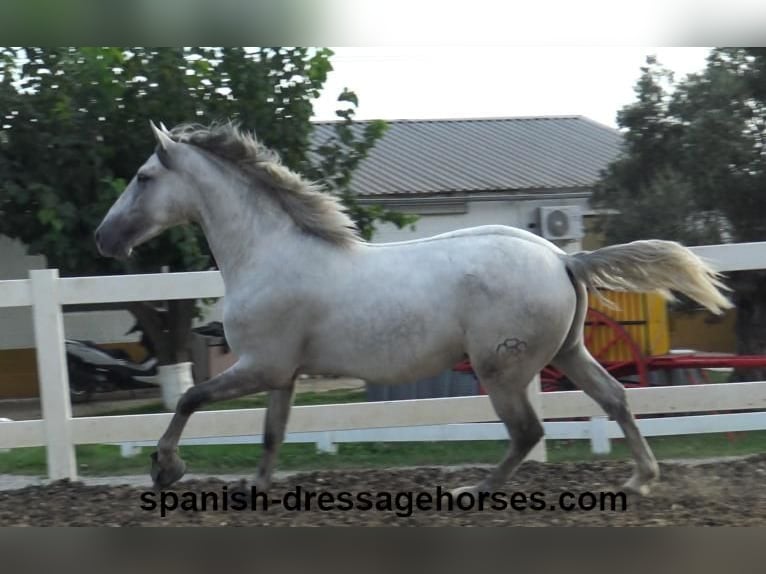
(305, 295)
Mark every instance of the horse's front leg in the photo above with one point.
(167, 466)
(280, 401)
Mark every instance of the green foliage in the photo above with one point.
(662, 208)
(693, 163)
(95, 460)
(74, 130)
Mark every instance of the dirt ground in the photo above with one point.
(712, 494)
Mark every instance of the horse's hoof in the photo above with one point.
(168, 472)
(636, 486)
(262, 483)
(455, 492)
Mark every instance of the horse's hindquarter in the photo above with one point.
(400, 313)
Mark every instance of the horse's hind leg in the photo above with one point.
(585, 372)
(508, 394)
(277, 413)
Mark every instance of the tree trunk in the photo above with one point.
(750, 297)
(168, 330)
(174, 380)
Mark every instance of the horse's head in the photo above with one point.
(158, 197)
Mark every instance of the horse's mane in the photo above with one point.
(314, 211)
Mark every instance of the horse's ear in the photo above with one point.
(162, 137)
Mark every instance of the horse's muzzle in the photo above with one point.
(110, 243)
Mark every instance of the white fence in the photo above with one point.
(466, 418)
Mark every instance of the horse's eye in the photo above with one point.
(142, 178)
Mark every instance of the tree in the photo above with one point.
(693, 169)
(75, 129)
(645, 193)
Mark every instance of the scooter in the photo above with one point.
(93, 369)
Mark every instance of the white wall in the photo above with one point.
(501, 212)
(15, 263)
(16, 322)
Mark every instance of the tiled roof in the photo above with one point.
(477, 155)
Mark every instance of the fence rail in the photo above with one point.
(598, 430)
(465, 418)
(459, 418)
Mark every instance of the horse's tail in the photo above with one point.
(649, 266)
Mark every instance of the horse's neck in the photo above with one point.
(241, 230)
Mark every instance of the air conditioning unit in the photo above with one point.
(561, 222)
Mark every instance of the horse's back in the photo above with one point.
(477, 231)
(497, 255)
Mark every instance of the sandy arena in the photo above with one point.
(711, 494)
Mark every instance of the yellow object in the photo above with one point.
(644, 316)
(18, 369)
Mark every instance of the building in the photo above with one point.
(530, 172)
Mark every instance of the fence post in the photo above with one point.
(325, 443)
(534, 392)
(5, 420)
(52, 373)
(599, 435)
(128, 450)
